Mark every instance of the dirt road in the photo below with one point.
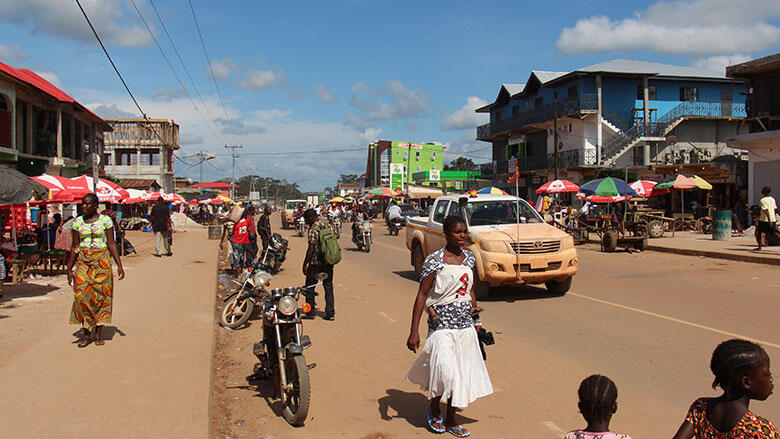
(648, 320)
(150, 379)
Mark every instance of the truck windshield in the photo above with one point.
(485, 213)
(292, 205)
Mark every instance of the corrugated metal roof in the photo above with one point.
(137, 183)
(513, 89)
(632, 66)
(545, 76)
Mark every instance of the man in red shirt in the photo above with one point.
(243, 231)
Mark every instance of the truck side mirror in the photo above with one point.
(462, 202)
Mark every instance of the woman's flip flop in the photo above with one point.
(458, 431)
(435, 424)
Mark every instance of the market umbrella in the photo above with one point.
(336, 200)
(16, 188)
(381, 192)
(558, 187)
(107, 191)
(683, 182)
(400, 194)
(607, 187)
(62, 189)
(492, 190)
(349, 200)
(645, 188)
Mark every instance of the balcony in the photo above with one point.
(573, 105)
(566, 159)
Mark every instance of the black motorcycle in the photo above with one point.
(281, 351)
(394, 225)
(275, 253)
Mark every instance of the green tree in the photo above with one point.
(348, 179)
(460, 164)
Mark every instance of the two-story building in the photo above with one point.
(393, 163)
(761, 133)
(619, 113)
(43, 129)
(142, 149)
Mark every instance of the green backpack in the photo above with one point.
(329, 247)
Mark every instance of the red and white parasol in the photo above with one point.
(107, 191)
(558, 187)
(643, 188)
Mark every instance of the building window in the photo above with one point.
(572, 91)
(150, 157)
(570, 130)
(433, 155)
(107, 160)
(417, 155)
(433, 167)
(419, 169)
(527, 106)
(126, 157)
(21, 125)
(651, 92)
(690, 94)
(406, 155)
(515, 110)
(538, 103)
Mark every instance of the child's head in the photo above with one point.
(741, 367)
(598, 398)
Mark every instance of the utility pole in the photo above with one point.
(233, 154)
(202, 158)
(555, 133)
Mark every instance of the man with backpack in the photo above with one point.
(322, 254)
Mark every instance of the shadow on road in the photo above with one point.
(511, 294)
(410, 407)
(25, 289)
(407, 274)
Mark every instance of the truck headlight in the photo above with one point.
(493, 246)
(567, 242)
(287, 305)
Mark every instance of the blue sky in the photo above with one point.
(304, 76)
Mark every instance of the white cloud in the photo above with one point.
(717, 64)
(370, 135)
(237, 127)
(63, 19)
(323, 94)
(111, 111)
(259, 80)
(168, 94)
(49, 76)
(697, 28)
(222, 68)
(393, 101)
(466, 117)
(12, 52)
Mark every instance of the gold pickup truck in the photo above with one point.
(287, 212)
(510, 249)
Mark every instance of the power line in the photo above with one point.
(186, 70)
(211, 69)
(283, 153)
(170, 66)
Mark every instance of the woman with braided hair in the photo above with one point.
(741, 369)
(598, 402)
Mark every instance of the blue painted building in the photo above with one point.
(612, 114)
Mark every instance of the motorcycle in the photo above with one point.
(394, 225)
(281, 351)
(300, 226)
(335, 226)
(276, 253)
(240, 304)
(363, 236)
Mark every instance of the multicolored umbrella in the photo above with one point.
(492, 190)
(558, 187)
(644, 188)
(381, 192)
(607, 187)
(682, 182)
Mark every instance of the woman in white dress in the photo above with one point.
(450, 364)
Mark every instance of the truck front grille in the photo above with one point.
(534, 247)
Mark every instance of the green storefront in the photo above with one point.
(450, 181)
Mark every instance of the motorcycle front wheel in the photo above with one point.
(296, 403)
(235, 313)
(368, 247)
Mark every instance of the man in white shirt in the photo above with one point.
(394, 211)
(767, 217)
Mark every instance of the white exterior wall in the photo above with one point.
(582, 136)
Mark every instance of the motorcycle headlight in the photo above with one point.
(287, 305)
(261, 277)
(493, 246)
(365, 227)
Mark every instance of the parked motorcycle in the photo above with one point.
(240, 303)
(300, 226)
(394, 225)
(281, 351)
(363, 236)
(276, 253)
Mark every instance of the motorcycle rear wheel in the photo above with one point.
(235, 314)
(296, 402)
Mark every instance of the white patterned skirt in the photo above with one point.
(450, 365)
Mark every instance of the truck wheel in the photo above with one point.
(558, 288)
(417, 259)
(481, 289)
(609, 241)
(655, 229)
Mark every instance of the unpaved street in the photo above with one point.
(647, 320)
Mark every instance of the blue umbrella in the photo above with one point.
(607, 187)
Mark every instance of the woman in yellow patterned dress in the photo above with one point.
(93, 280)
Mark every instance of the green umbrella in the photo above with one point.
(607, 187)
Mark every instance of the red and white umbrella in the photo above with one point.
(107, 191)
(643, 188)
(558, 187)
(62, 189)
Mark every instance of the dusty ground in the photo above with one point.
(150, 379)
(648, 320)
